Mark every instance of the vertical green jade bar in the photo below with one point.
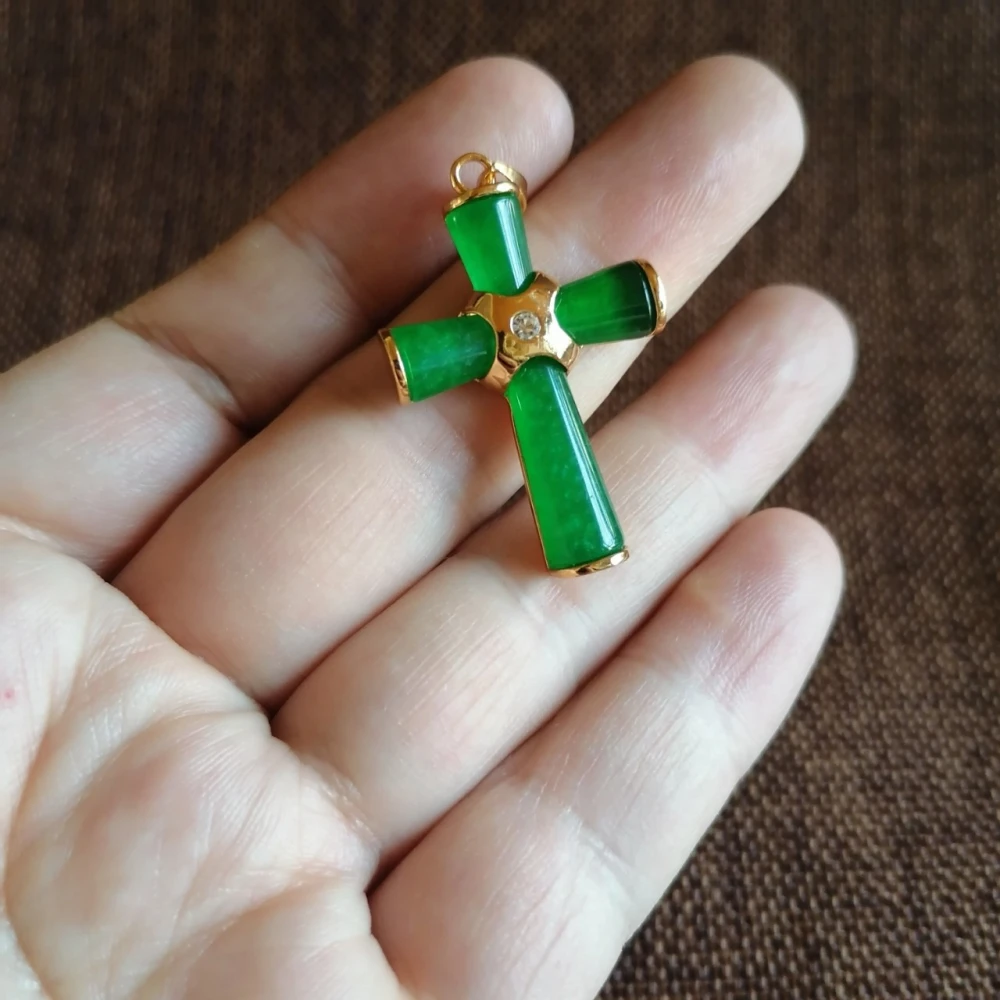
(443, 354)
(576, 522)
(615, 304)
(488, 232)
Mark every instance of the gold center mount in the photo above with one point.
(526, 327)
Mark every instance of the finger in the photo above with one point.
(416, 708)
(347, 499)
(107, 431)
(533, 884)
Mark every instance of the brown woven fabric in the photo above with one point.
(862, 857)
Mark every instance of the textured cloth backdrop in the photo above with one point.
(862, 857)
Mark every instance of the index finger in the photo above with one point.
(108, 431)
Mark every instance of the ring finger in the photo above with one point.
(417, 707)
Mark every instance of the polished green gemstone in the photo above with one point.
(576, 522)
(488, 232)
(615, 304)
(444, 353)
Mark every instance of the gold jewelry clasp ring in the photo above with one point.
(496, 177)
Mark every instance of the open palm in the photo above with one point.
(287, 708)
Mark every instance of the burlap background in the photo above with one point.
(862, 858)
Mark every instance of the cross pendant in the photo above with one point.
(520, 334)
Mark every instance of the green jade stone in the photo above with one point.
(615, 304)
(488, 233)
(576, 522)
(444, 353)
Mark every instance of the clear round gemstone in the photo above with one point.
(525, 325)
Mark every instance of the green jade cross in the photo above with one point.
(520, 334)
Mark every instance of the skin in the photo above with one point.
(287, 706)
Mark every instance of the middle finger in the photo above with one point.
(345, 500)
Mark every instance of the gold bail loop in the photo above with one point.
(495, 178)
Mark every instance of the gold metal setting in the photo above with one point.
(659, 294)
(552, 341)
(615, 559)
(496, 178)
(398, 371)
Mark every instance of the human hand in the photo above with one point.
(263, 736)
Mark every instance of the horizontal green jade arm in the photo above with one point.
(428, 358)
(619, 303)
(623, 302)
(577, 525)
